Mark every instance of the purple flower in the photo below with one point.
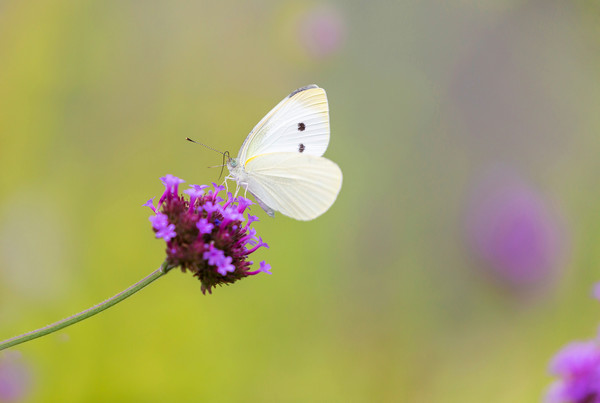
(204, 236)
(171, 183)
(199, 187)
(224, 266)
(204, 226)
(195, 193)
(265, 267)
(231, 214)
(243, 203)
(258, 244)
(512, 231)
(15, 377)
(252, 218)
(217, 258)
(213, 255)
(150, 203)
(322, 31)
(596, 291)
(210, 207)
(217, 188)
(578, 364)
(162, 227)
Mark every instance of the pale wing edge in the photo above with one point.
(299, 189)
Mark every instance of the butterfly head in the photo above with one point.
(232, 163)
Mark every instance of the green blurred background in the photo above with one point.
(448, 121)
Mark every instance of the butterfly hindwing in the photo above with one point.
(298, 124)
(299, 186)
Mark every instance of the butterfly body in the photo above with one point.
(280, 163)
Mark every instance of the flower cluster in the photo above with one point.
(206, 234)
(578, 364)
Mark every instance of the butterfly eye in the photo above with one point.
(233, 163)
(301, 127)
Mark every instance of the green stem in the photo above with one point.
(34, 334)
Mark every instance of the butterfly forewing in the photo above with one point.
(298, 124)
(300, 186)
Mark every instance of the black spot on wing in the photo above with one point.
(308, 87)
(301, 148)
(301, 127)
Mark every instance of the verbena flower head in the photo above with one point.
(206, 234)
(578, 364)
(513, 232)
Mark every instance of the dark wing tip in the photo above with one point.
(308, 87)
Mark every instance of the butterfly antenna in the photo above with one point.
(225, 155)
(210, 148)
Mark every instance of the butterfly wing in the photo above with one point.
(298, 185)
(299, 123)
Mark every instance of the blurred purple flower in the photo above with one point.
(15, 377)
(510, 228)
(204, 236)
(596, 291)
(578, 364)
(322, 31)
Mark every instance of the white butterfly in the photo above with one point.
(280, 162)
